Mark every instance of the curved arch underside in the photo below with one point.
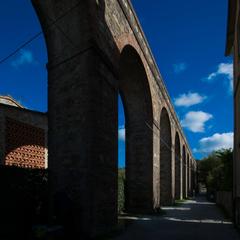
(165, 159)
(135, 93)
(177, 167)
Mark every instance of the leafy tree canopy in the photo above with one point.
(215, 171)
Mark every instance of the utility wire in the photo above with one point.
(156, 125)
(166, 144)
(21, 46)
(62, 32)
(187, 174)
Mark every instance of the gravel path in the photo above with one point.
(196, 219)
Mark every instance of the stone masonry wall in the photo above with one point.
(224, 199)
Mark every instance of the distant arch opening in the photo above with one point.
(136, 97)
(121, 156)
(177, 167)
(165, 159)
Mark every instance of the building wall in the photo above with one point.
(224, 199)
(23, 137)
(236, 60)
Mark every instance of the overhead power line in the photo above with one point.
(20, 47)
(169, 147)
(53, 22)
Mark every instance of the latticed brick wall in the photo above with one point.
(25, 145)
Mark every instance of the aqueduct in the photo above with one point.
(96, 50)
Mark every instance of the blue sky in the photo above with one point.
(187, 39)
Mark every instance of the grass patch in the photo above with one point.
(179, 202)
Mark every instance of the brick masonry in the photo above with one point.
(25, 145)
(106, 53)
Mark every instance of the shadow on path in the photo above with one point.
(194, 219)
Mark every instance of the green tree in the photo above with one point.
(215, 171)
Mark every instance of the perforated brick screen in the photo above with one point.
(25, 145)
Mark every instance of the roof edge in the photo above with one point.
(9, 98)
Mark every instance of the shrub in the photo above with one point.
(121, 190)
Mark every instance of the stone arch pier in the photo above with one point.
(96, 50)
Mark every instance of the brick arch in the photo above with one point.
(84, 79)
(166, 197)
(178, 165)
(82, 109)
(136, 97)
(128, 40)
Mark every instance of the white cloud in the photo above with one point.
(121, 133)
(215, 142)
(24, 57)
(224, 69)
(195, 121)
(189, 99)
(179, 67)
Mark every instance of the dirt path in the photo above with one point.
(192, 220)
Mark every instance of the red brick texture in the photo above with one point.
(25, 145)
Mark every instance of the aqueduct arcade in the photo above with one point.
(97, 50)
